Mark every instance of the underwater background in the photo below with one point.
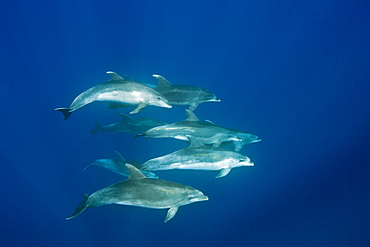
(295, 73)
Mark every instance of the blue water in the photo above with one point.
(296, 73)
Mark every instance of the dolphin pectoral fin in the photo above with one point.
(139, 107)
(138, 135)
(223, 172)
(88, 166)
(193, 107)
(191, 116)
(66, 112)
(171, 213)
(216, 145)
(194, 141)
(238, 147)
(96, 128)
(209, 121)
(83, 205)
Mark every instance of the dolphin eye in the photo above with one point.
(241, 160)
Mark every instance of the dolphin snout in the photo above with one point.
(164, 104)
(255, 140)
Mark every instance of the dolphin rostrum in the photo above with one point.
(207, 132)
(184, 94)
(128, 124)
(199, 157)
(138, 190)
(118, 165)
(118, 90)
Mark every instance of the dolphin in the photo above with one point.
(128, 124)
(140, 191)
(117, 165)
(199, 157)
(245, 138)
(117, 90)
(184, 94)
(207, 132)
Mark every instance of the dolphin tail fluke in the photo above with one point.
(96, 129)
(83, 205)
(66, 112)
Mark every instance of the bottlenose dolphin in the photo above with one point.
(184, 94)
(118, 90)
(128, 124)
(245, 138)
(118, 165)
(199, 157)
(207, 132)
(138, 190)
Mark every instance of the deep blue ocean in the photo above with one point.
(295, 73)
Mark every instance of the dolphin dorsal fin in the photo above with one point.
(127, 78)
(114, 76)
(191, 116)
(125, 117)
(134, 172)
(119, 158)
(194, 141)
(162, 82)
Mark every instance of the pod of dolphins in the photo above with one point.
(142, 188)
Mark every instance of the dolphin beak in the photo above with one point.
(166, 105)
(255, 140)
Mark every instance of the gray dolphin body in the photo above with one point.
(206, 132)
(128, 124)
(199, 157)
(138, 190)
(184, 94)
(118, 90)
(118, 165)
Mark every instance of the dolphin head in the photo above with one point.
(248, 138)
(159, 100)
(244, 161)
(254, 139)
(210, 97)
(194, 195)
